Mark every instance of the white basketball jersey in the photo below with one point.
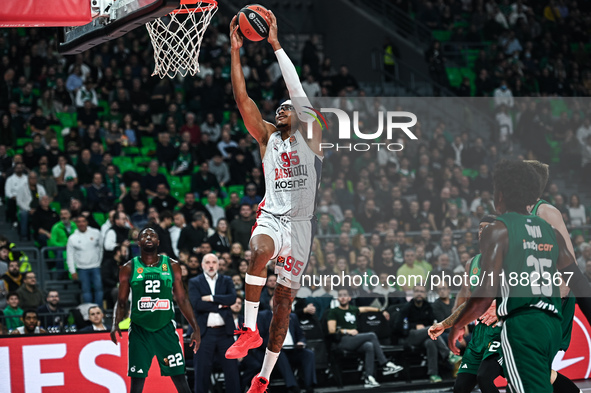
(292, 177)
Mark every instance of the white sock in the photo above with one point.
(268, 363)
(251, 311)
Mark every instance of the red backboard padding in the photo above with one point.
(44, 13)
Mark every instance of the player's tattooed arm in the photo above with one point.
(449, 321)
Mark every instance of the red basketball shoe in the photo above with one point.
(258, 385)
(248, 339)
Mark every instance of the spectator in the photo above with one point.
(139, 218)
(503, 95)
(113, 182)
(29, 294)
(165, 151)
(184, 162)
(175, 230)
(485, 201)
(161, 227)
(211, 127)
(192, 206)
(62, 230)
(84, 257)
(116, 235)
(363, 270)
(30, 324)
(13, 312)
(86, 93)
(203, 181)
(585, 256)
(100, 198)
(14, 183)
(27, 200)
(63, 170)
(211, 296)
(576, 212)
(446, 247)
(95, 316)
(192, 235)
(206, 149)
(85, 168)
(443, 306)
(220, 241)
(50, 313)
(69, 192)
(13, 277)
(343, 320)
(226, 145)
(163, 200)
(217, 212)
(233, 208)
(587, 273)
(412, 273)
(152, 179)
(418, 315)
(134, 195)
(219, 168)
(47, 181)
(242, 226)
(192, 128)
(43, 220)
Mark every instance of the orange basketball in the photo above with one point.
(253, 22)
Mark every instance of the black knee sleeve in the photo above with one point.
(564, 385)
(465, 383)
(489, 370)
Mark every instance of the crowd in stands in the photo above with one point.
(175, 155)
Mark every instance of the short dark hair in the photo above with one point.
(518, 182)
(165, 214)
(30, 311)
(11, 294)
(543, 170)
(489, 218)
(198, 216)
(27, 273)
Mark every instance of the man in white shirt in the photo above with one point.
(217, 212)
(14, 183)
(63, 170)
(503, 95)
(85, 254)
(211, 296)
(175, 230)
(27, 200)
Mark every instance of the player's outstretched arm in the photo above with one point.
(296, 92)
(122, 297)
(184, 304)
(494, 243)
(256, 126)
(552, 216)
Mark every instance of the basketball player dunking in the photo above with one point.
(285, 222)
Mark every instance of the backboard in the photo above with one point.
(111, 20)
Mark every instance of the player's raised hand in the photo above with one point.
(114, 330)
(272, 39)
(195, 341)
(436, 331)
(455, 335)
(235, 37)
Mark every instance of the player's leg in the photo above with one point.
(562, 384)
(282, 299)
(263, 249)
(139, 356)
(465, 383)
(137, 385)
(488, 371)
(169, 353)
(527, 358)
(180, 383)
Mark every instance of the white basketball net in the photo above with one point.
(177, 38)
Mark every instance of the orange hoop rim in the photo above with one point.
(211, 4)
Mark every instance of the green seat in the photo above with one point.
(67, 119)
(55, 206)
(147, 151)
(20, 142)
(238, 189)
(454, 75)
(442, 35)
(131, 150)
(148, 141)
(100, 218)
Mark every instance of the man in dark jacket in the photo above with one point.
(418, 314)
(193, 235)
(211, 296)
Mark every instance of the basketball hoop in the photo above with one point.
(177, 37)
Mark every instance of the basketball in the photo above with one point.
(253, 23)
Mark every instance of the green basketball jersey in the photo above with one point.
(151, 293)
(474, 272)
(529, 267)
(534, 210)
